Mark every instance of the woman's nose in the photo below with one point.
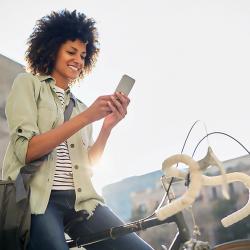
(79, 59)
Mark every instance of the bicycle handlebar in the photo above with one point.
(197, 180)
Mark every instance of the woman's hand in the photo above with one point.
(116, 109)
(98, 109)
(118, 106)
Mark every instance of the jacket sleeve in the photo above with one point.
(21, 113)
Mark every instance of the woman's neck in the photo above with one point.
(61, 82)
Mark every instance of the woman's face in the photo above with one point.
(69, 61)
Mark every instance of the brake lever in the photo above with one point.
(211, 160)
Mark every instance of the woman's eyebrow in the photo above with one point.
(75, 49)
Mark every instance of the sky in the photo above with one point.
(190, 59)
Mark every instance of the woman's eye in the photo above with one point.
(71, 53)
(83, 57)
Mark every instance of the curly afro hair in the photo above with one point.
(51, 31)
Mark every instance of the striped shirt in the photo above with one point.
(63, 178)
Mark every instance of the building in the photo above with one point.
(118, 195)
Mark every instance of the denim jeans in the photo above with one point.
(47, 230)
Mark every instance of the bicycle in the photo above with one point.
(172, 212)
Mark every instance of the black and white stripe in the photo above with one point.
(63, 178)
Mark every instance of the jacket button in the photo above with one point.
(72, 145)
(76, 166)
(79, 190)
(19, 130)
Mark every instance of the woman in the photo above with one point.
(62, 49)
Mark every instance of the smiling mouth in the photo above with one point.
(75, 69)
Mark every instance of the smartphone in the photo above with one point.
(125, 85)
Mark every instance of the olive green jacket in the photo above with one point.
(33, 108)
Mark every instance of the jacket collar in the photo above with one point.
(44, 77)
(49, 77)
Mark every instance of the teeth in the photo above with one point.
(73, 67)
